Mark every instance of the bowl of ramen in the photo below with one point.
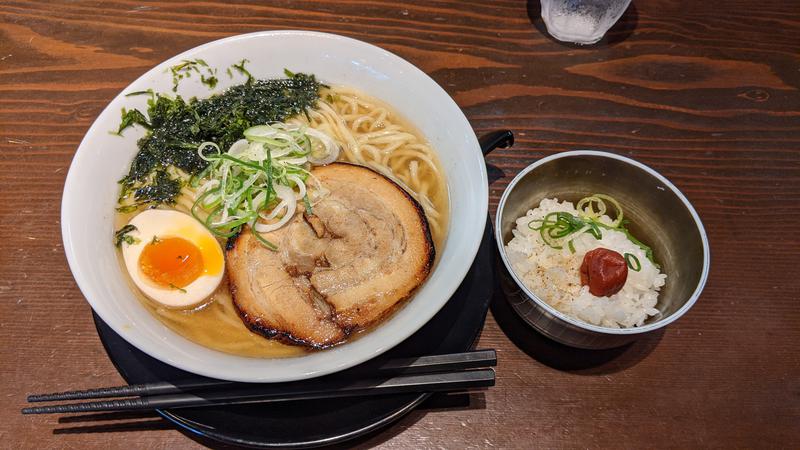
(599, 249)
(274, 206)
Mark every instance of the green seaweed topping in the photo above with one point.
(176, 128)
(122, 235)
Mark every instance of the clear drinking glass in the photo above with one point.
(581, 21)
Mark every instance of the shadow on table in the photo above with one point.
(113, 422)
(494, 173)
(149, 420)
(562, 357)
(618, 33)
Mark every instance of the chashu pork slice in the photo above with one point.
(366, 248)
(382, 250)
(271, 301)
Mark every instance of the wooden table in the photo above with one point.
(705, 92)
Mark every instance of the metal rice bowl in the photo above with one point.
(660, 214)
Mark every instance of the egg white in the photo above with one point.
(161, 223)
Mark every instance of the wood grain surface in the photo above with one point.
(706, 92)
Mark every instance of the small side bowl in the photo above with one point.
(660, 215)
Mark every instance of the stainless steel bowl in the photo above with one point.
(660, 216)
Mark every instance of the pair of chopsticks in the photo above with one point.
(438, 373)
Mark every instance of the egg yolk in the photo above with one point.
(171, 262)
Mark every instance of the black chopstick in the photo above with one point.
(400, 384)
(407, 366)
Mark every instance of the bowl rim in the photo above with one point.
(448, 285)
(579, 323)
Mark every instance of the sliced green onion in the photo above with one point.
(631, 259)
(618, 220)
(648, 252)
(263, 241)
(586, 207)
(214, 229)
(307, 202)
(556, 228)
(240, 187)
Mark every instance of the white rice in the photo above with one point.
(554, 274)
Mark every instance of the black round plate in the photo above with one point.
(319, 422)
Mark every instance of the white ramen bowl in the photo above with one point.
(91, 190)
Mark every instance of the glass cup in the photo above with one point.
(581, 21)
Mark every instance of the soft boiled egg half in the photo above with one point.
(173, 259)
